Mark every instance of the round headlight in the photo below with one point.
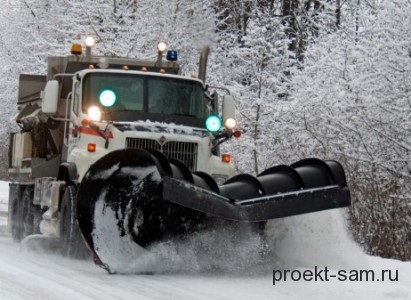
(213, 123)
(89, 41)
(230, 123)
(94, 113)
(107, 98)
(162, 46)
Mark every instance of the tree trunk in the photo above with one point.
(338, 14)
(256, 134)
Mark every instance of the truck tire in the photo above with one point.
(25, 215)
(16, 219)
(29, 212)
(72, 244)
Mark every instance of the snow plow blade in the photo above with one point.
(131, 198)
(256, 209)
(309, 185)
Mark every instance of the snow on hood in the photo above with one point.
(159, 127)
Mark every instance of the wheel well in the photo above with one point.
(68, 173)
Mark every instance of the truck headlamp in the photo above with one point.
(94, 113)
(89, 41)
(230, 123)
(107, 98)
(162, 47)
(213, 123)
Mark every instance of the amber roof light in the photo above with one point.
(76, 49)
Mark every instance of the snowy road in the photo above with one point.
(26, 275)
(301, 244)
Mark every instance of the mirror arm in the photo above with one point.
(103, 134)
(222, 137)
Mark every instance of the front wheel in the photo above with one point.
(72, 244)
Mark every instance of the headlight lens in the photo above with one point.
(213, 123)
(230, 123)
(107, 98)
(162, 46)
(89, 41)
(94, 113)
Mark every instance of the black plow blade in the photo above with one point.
(259, 208)
(307, 186)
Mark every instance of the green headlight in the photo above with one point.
(107, 98)
(213, 123)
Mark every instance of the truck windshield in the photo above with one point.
(142, 96)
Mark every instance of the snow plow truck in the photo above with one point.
(115, 153)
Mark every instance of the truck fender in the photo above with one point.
(67, 172)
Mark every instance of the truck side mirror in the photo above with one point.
(50, 97)
(229, 112)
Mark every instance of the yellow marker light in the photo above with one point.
(76, 49)
(91, 147)
(226, 158)
(84, 122)
(94, 113)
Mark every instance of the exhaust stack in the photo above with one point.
(202, 70)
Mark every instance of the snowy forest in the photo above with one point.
(311, 78)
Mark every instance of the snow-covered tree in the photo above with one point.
(258, 81)
(352, 100)
(260, 44)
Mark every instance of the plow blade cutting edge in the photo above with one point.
(131, 198)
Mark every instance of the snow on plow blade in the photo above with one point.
(131, 198)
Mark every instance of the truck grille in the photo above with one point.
(183, 151)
